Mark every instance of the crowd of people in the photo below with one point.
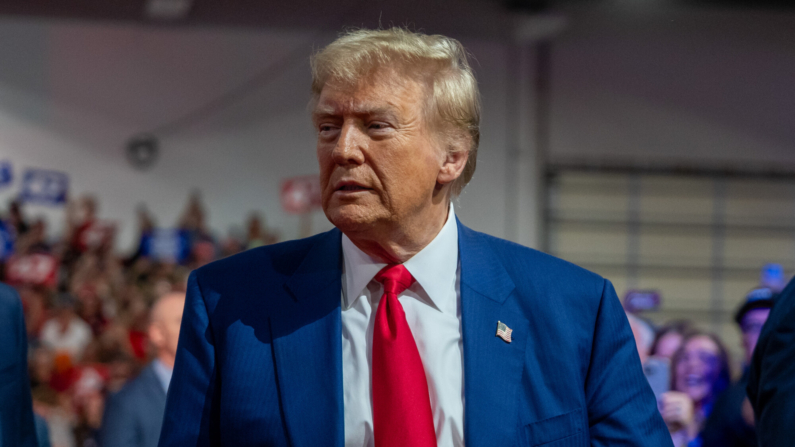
(89, 312)
(96, 321)
(698, 400)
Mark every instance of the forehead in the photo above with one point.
(702, 343)
(671, 337)
(380, 91)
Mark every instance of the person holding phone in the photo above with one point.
(700, 373)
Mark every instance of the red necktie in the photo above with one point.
(401, 406)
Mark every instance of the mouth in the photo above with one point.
(694, 380)
(351, 187)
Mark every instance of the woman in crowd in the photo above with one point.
(669, 338)
(699, 373)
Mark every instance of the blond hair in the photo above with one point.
(439, 61)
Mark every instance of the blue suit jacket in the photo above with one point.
(16, 408)
(260, 352)
(133, 416)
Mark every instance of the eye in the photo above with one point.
(327, 129)
(379, 127)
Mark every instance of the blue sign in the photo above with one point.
(6, 173)
(6, 242)
(44, 187)
(773, 277)
(642, 300)
(165, 244)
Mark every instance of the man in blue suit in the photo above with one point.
(133, 416)
(403, 327)
(17, 426)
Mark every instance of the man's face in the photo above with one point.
(166, 320)
(751, 327)
(379, 163)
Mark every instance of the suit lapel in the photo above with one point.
(492, 367)
(307, 344)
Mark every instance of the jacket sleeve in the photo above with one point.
(191, 416)
(118, 424)
(16, 415)
(622, 409)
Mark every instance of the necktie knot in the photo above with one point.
(395, 278)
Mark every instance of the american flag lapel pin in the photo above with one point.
(504, 332)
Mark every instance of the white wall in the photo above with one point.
(72, 93)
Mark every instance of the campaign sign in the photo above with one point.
(300, 195)
(642, 300)
(35, 269)
(44, 187)
(6, 242)
(167, 245)
(6, 173)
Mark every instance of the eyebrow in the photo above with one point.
(362, 110)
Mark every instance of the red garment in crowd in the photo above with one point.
(138, 341)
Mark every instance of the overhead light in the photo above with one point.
(168, 9)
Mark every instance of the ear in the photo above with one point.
(452, 166)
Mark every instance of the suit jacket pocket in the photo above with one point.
(554, 428)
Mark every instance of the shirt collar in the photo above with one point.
(434, 267)
(163, 373)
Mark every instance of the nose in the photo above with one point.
(350, 146)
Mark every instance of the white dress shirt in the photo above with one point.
(433, 312)
(163, 373)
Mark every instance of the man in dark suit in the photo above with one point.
(771, 381)
(133, 416)
(402, 327)
(17, 426)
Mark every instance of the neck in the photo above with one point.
(166, 359)
(399, 244)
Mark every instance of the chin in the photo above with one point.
(351, 218)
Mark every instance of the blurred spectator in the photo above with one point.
(16, 412)
(258, 234)
(700, 372)
(731, 424)
(35, 302)
(34, 240)
(133, 416)
(81, 218)
(17, 220)
(66, 333)
(644, 336)
(193, 223)
(146, 228)
(41, 365)
(669, 338)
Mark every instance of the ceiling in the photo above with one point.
(469, 17)
(478, 17)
